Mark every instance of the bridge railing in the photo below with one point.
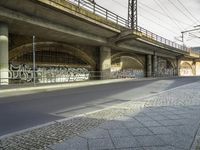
(110, 16)
(101, 11)
(152, 36)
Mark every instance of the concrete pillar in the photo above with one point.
(3, 54)
(149, 66)
(194, 71)
(155, 65)
(179, 67)
(105, 62)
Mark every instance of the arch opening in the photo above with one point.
(55, 62)
(127, 66)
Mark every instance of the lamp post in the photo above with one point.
(34, 60)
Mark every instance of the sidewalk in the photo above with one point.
(14, 90)
(169, 120)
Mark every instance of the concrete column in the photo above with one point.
(179, 67)
(149, 66)
(155, 65)
(3, 54)
(194, 71)
(105, 62)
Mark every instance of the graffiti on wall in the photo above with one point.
(62, 74)
(21, 72)
(24, 73)
(127, 73)
(164, 68)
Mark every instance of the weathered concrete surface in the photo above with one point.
(3, 54)
(105, 62)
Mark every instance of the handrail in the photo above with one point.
(110, 16)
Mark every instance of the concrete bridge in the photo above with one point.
(81, 37)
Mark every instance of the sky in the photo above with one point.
(167, 18)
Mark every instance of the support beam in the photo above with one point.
(155, 65)
(105, 62)
(179, 66)
(149, 66)
(3, 54)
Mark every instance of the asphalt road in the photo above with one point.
(21, 112)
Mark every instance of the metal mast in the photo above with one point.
(132, 14)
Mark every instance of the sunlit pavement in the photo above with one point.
(165, 121)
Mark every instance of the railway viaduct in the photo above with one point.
(80, 36)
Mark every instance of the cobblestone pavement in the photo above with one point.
(166, 121)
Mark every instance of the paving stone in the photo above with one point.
(96, 133)
(140, 131)
(162, 148)
(159, 117)
(125, 142)
(151, 123)
(130, 124)
(130, 148)
(170, 123)
(98, 144)
(185, 130)
(76, 143)
(150, 141)
(178, 141)
(112, 125)
(143, 118)
(119, 133)
(160, 130)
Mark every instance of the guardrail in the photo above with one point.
(110, 16)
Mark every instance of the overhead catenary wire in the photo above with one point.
(197, 20)
(180, 10)
(160, 25)
(161, 13)
(164, 10)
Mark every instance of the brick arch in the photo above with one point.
(129, 55)
(60, 47)
(186, 69)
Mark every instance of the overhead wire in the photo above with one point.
(163, 9)
(180, 10)
(163, 14)
(197, 20)
(170, 30)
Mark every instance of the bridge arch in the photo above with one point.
(186, 69)
(129, 64)
(54, 47)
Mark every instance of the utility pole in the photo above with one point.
(92, 1)
(34, 60)
(188, 31)
(132, 14)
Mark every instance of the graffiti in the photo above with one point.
(166, 72)
(24, 73)
(21, 72)
(186, 72)
(128, 73)
(61, 74)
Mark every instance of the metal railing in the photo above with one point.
(110, 16)
(100, 11)
(45, 77)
